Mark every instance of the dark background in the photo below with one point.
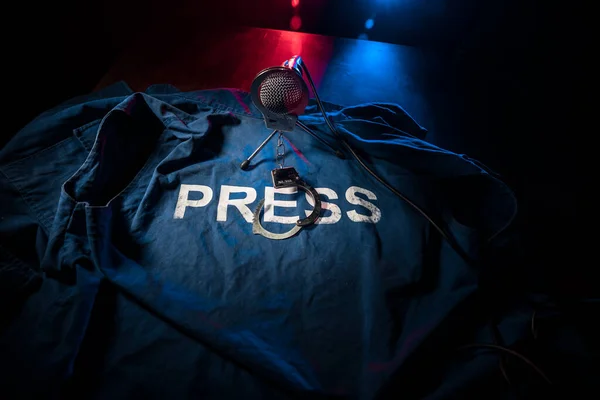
(506, 64)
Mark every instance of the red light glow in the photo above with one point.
(296, 22)
(295, 3)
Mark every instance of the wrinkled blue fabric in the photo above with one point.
(121, 210)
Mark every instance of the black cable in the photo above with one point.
(503, 370)
(306, 129)
(511, 352)
(450, 240)
(455, 246)
(447, 237)
(497, 338)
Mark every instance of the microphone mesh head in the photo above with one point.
(282, 92)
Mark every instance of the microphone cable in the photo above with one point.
(447, 237)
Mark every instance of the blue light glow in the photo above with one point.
(369, 23)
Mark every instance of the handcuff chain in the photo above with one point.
(280, 151)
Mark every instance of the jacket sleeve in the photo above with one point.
(20, 237)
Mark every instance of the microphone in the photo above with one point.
(281, 95)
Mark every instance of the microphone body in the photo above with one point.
(281, 95)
